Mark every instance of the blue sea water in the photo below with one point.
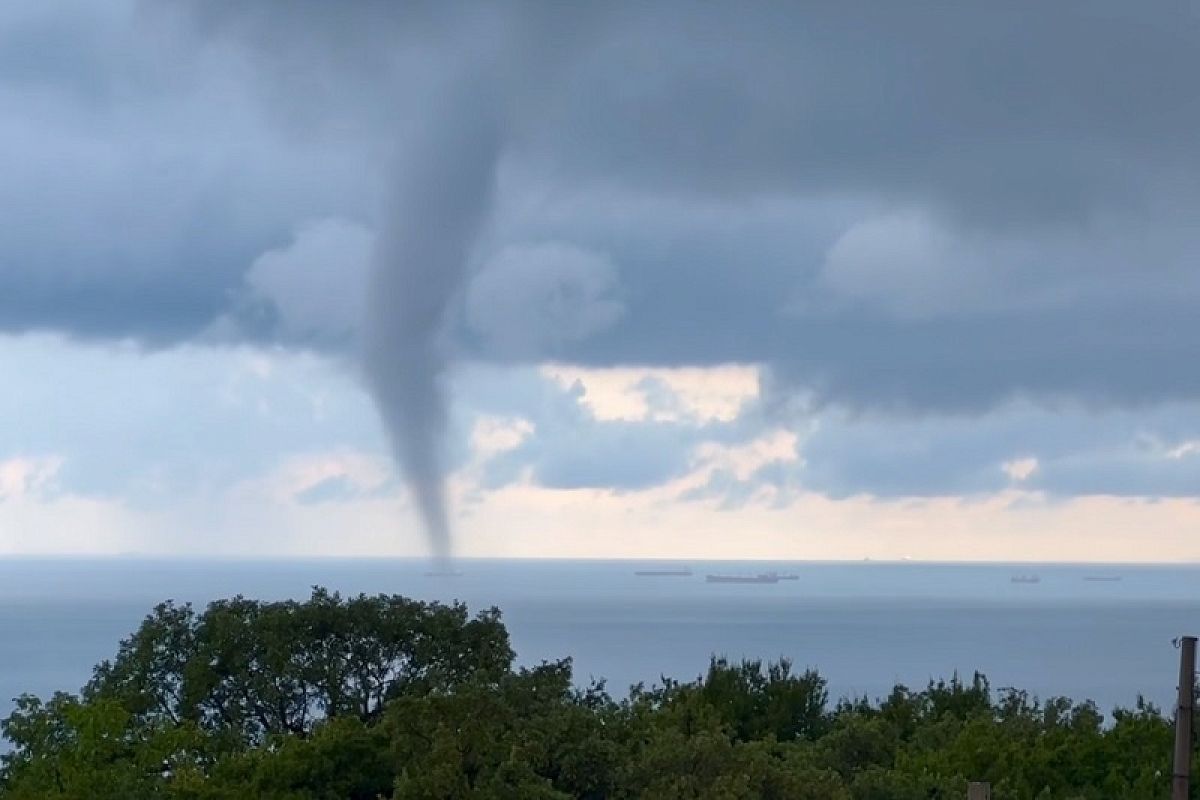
(865, 626)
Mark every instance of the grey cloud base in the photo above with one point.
(911, 211)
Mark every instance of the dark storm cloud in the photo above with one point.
(1063, 453)
(908, 209)
(140, 180)
(1022, 111)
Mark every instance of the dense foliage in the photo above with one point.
(385, 697)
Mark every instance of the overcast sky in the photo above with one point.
(788, 280)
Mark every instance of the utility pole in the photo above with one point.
(1183, 719)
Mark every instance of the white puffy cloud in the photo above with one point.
(22, 476)
(908, 265)
(492, 434)
(1019, 469)
(1184, 449)
(664, 394)
(317, 284)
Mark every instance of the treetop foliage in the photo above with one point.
(385, 697)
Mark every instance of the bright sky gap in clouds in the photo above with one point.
(777, 282)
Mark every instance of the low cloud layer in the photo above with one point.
(249, 450)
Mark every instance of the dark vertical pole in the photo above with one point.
(1183, 719)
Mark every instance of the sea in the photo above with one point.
(865, 626)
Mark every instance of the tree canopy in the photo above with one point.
(385, 697)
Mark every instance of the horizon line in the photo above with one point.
(680, 561)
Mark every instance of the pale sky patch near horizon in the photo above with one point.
(255, 453)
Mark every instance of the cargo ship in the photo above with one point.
(762, 577)
(1025, 579)
(1102, 578)
(663, 573)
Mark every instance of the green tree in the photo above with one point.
(530, 735)
(65, 749)
(254, 669)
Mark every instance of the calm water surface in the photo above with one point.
(865, 626)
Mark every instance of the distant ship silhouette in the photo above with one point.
(762, 577)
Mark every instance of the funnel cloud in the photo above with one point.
(441, 201)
